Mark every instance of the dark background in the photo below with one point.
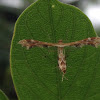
(9, 12)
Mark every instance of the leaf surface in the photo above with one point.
(35, 72)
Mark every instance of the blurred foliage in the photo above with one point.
(30, 1)
(8, 17)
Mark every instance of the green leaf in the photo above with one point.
(35, 72)
(3, 96)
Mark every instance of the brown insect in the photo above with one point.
(93, 41)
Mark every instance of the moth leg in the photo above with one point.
(63, 76)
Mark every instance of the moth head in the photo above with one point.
(60, 41)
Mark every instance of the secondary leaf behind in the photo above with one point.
(3, 96)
